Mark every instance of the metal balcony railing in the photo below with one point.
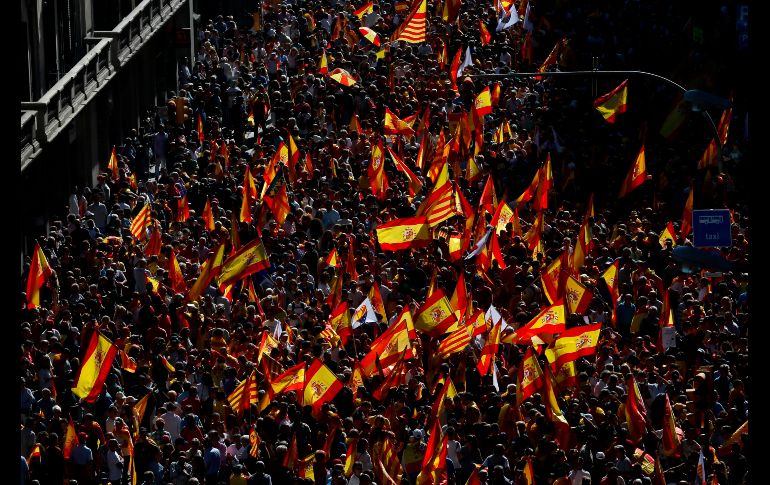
(44, 119)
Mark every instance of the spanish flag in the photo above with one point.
(378, 180)
(550, 280)
(321, 385)
(636, 414)
(340, 321)
(36, 453)
(178, 284)
(415, 186)
(613, 103)
(687, 215)
(486, 37)
(459, 300)
(333, 259)
(209, 270)
(530, 377)
(323, 65)
(39, 271)
(434, 462)
(277, 198)
(97, 362)
(153, 246)
(675, 119)
(389, 346)
(365, 9)
(671, 442)
(436, 316)
(112, 165)
(447, 392)
(127, 363)
(529, 473)
(636, 176)
(396, 126)
(208, 216)
(554, 412)
(668, 233)
(70, 439)
(551, 320)
(404, 233)
(355, 124)
(490, 349)
(140, 223)
(572, 344)
(576, 295)
(250, 259)
(482, 105)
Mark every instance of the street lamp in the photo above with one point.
(698, 100)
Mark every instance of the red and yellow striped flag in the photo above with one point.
(668, 233)
(486, 37)
(208, 216)
(482, 105)
(636, 414)
(613, 103)
(530, 377)
(112, 165)
(687, 215)
(394, 125)
(244, 395)
(140, 223)
(321, 385)
(413, 28)
(39, 271)
(250, 259)
(404, 233)
(365, 9)
(70, 440)
(636, 175)
(573, 344)
(97, 362)
(490, 349)
(378, 180)
(209, 270)
(178, 284)
(457, 341)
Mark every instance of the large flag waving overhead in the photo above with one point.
(39, 271)
(436, 316)
(572, 344)
(251, 259)
(404, 233)
(636, 176)
(412, 29)
(395, 125)
(97, 362)
(613, 103)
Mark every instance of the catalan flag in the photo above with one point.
(96, 364)
(413, 27)
(321, 385)
(250, 259)
(39, 272)
(404, 233)
(613, 103)
(573, 344)
(439, 205)
(636, 176)
(455, 342)
(388, 469)
(244, 395)
(140, 223)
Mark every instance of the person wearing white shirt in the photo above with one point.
(577, 474)
(115, 462)
(172, 421)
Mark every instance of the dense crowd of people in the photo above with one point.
(257, 87)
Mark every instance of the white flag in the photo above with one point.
(468, 61)
(480, 244)
(364, 314)
(513, 19)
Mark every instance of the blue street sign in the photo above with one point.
(711, 228)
